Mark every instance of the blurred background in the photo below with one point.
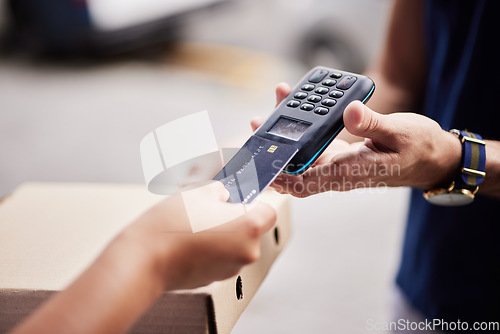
(81, 82)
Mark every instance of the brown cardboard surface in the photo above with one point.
(50, 232)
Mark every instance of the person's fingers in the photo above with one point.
(243, 234)
(361, 121)
(263, 216)
(315, 180)
(260, 219)
(211, 190)
(290, 184)
(336, 147)
(219, 191)
(282, 91)
(256, 122)
(257, 216)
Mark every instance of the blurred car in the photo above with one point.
(336, 33)
(93, 27)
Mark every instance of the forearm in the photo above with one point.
(400, 70)
(107, 298)
(156, 253)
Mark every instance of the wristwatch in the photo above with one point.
(463, 188)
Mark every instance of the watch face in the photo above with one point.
(451, 199)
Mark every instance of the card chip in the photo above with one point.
(272, 148)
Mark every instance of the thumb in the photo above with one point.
(361, 121)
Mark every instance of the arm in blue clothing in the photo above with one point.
(389, 147)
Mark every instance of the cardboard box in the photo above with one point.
(50, 232)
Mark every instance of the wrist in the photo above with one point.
(447, 161)
(144, 248)
(467, 178)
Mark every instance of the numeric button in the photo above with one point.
(306, 106)
(328, 102)
(308, 87)
(337, 94)
(329, 82)
(300, 95)
(293, 103)
(321, 111)
(321, 90)
(314, 98)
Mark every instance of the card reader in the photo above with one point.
(296, 133)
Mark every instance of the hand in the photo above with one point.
(188, 260)
(157, 252)
(400, 149)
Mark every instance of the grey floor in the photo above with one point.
(84, 123)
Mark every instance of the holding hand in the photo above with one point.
(157, 252)
(188, 260)
(400, 149)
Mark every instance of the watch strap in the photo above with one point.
(473, 164)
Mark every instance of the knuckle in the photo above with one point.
(273, 216)
(371, 124)
(254, 229)
(262, 218)
(251, 255)
(268, 215)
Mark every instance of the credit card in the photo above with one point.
(254, 167)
